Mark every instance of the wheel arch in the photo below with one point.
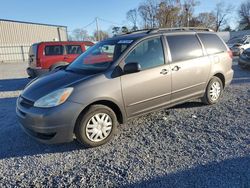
(119, 114)
(221, 77)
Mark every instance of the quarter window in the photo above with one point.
(73, 49)
(148, 54)
(184, 47)
(212, 43)
(54, 50)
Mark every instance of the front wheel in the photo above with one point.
(213, 92)
(97, 126)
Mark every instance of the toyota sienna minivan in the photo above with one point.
(121, 78)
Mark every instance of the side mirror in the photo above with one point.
(246, 42)
(132, 68)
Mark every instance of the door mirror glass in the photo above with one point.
(132, 67)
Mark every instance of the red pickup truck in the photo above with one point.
(46, 56)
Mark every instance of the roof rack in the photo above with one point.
(156, 30)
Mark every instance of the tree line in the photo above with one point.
(175, 13)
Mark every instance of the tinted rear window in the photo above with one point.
(184, 47)
(54, 50)
(33, 50)
(73, 49)
(212, 43)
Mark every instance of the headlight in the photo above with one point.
(54, 99)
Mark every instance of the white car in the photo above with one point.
(237, 45)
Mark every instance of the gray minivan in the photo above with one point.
(121, 78)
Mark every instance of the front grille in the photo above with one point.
(25, 102)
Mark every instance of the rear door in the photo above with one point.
(151, 87)
(33, 55)
(72, 52)
(52, 54)
(190, 68)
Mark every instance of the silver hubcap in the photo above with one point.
(215, 91)
(99, 127)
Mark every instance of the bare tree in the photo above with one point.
(115, 30)
(132, 17)
(221, 13)
(168, 12)
(207, 20)
(79, 34)
(102, 34)
(244, 13)
(148, 11)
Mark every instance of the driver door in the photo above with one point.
(151, 87)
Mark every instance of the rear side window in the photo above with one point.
(54, 50)
(73, 49)
(212, 43)
(184, 47)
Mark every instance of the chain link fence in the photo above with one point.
(14, 53)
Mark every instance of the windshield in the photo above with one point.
(100, 56)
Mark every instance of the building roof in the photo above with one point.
(23, 22)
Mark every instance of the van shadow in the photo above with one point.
(191, 104)
(228, 173)
(13, 84)
(15, 143)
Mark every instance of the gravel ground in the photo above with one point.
(190, 145)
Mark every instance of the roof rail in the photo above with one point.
(180, 29)
(156, 30)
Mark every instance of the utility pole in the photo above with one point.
(97, 29)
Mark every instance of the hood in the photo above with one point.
(49, 83)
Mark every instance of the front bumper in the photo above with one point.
(49, 125)
(36, 72)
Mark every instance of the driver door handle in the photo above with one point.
(176, 68)
(164, 71)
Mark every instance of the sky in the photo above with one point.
(80, 13)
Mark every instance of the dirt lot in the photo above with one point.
(190, 145)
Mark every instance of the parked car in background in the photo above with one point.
(244, 59)
(238, 45)
(121, 78)
(46, 56)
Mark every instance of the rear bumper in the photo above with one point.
(36, 72)
(49, 125)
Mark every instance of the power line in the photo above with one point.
(89, 24)
(111, 22)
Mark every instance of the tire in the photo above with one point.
(213, 84)
(86, 129)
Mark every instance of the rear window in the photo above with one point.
(33, 50)
(54, 50)
(184, 47)
(212, 43)
(73, 49)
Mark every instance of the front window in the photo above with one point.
(99, 57)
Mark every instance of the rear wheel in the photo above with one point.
(97, 126)
(213, 92)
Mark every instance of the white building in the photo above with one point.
(16, 37)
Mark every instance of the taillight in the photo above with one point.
(230, 53)
(38, 62)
